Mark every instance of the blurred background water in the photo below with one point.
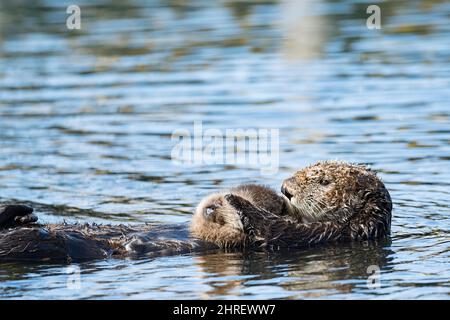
(86, 118)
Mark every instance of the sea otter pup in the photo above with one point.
(216, 220)
(328, 201)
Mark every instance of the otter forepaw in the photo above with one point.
(239, 203)
(16, 215)
(248, 213)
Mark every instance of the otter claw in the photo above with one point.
(29, 218)
(15, 215)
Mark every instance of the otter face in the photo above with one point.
(334, 191)
(215, 220)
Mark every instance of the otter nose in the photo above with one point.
(286, 193)
(209, 212)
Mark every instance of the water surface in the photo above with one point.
(86, 119)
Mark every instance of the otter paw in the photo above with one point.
(246, 211)
(239, 203)
(16, 215)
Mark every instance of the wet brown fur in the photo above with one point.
(79, 242)
(328, 201)
(216, 220)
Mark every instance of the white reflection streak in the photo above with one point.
(303, 28)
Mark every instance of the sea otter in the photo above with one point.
(329, 201)
(21, 239)
(217, 220)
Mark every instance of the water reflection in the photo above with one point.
(310, 273)
(306, 26)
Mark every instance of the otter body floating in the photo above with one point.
(81, 242)
(327, 202)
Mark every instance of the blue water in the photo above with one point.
(86, 118)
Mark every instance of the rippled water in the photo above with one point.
(86, 119)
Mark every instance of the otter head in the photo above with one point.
(215, 220)
(337, 192)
